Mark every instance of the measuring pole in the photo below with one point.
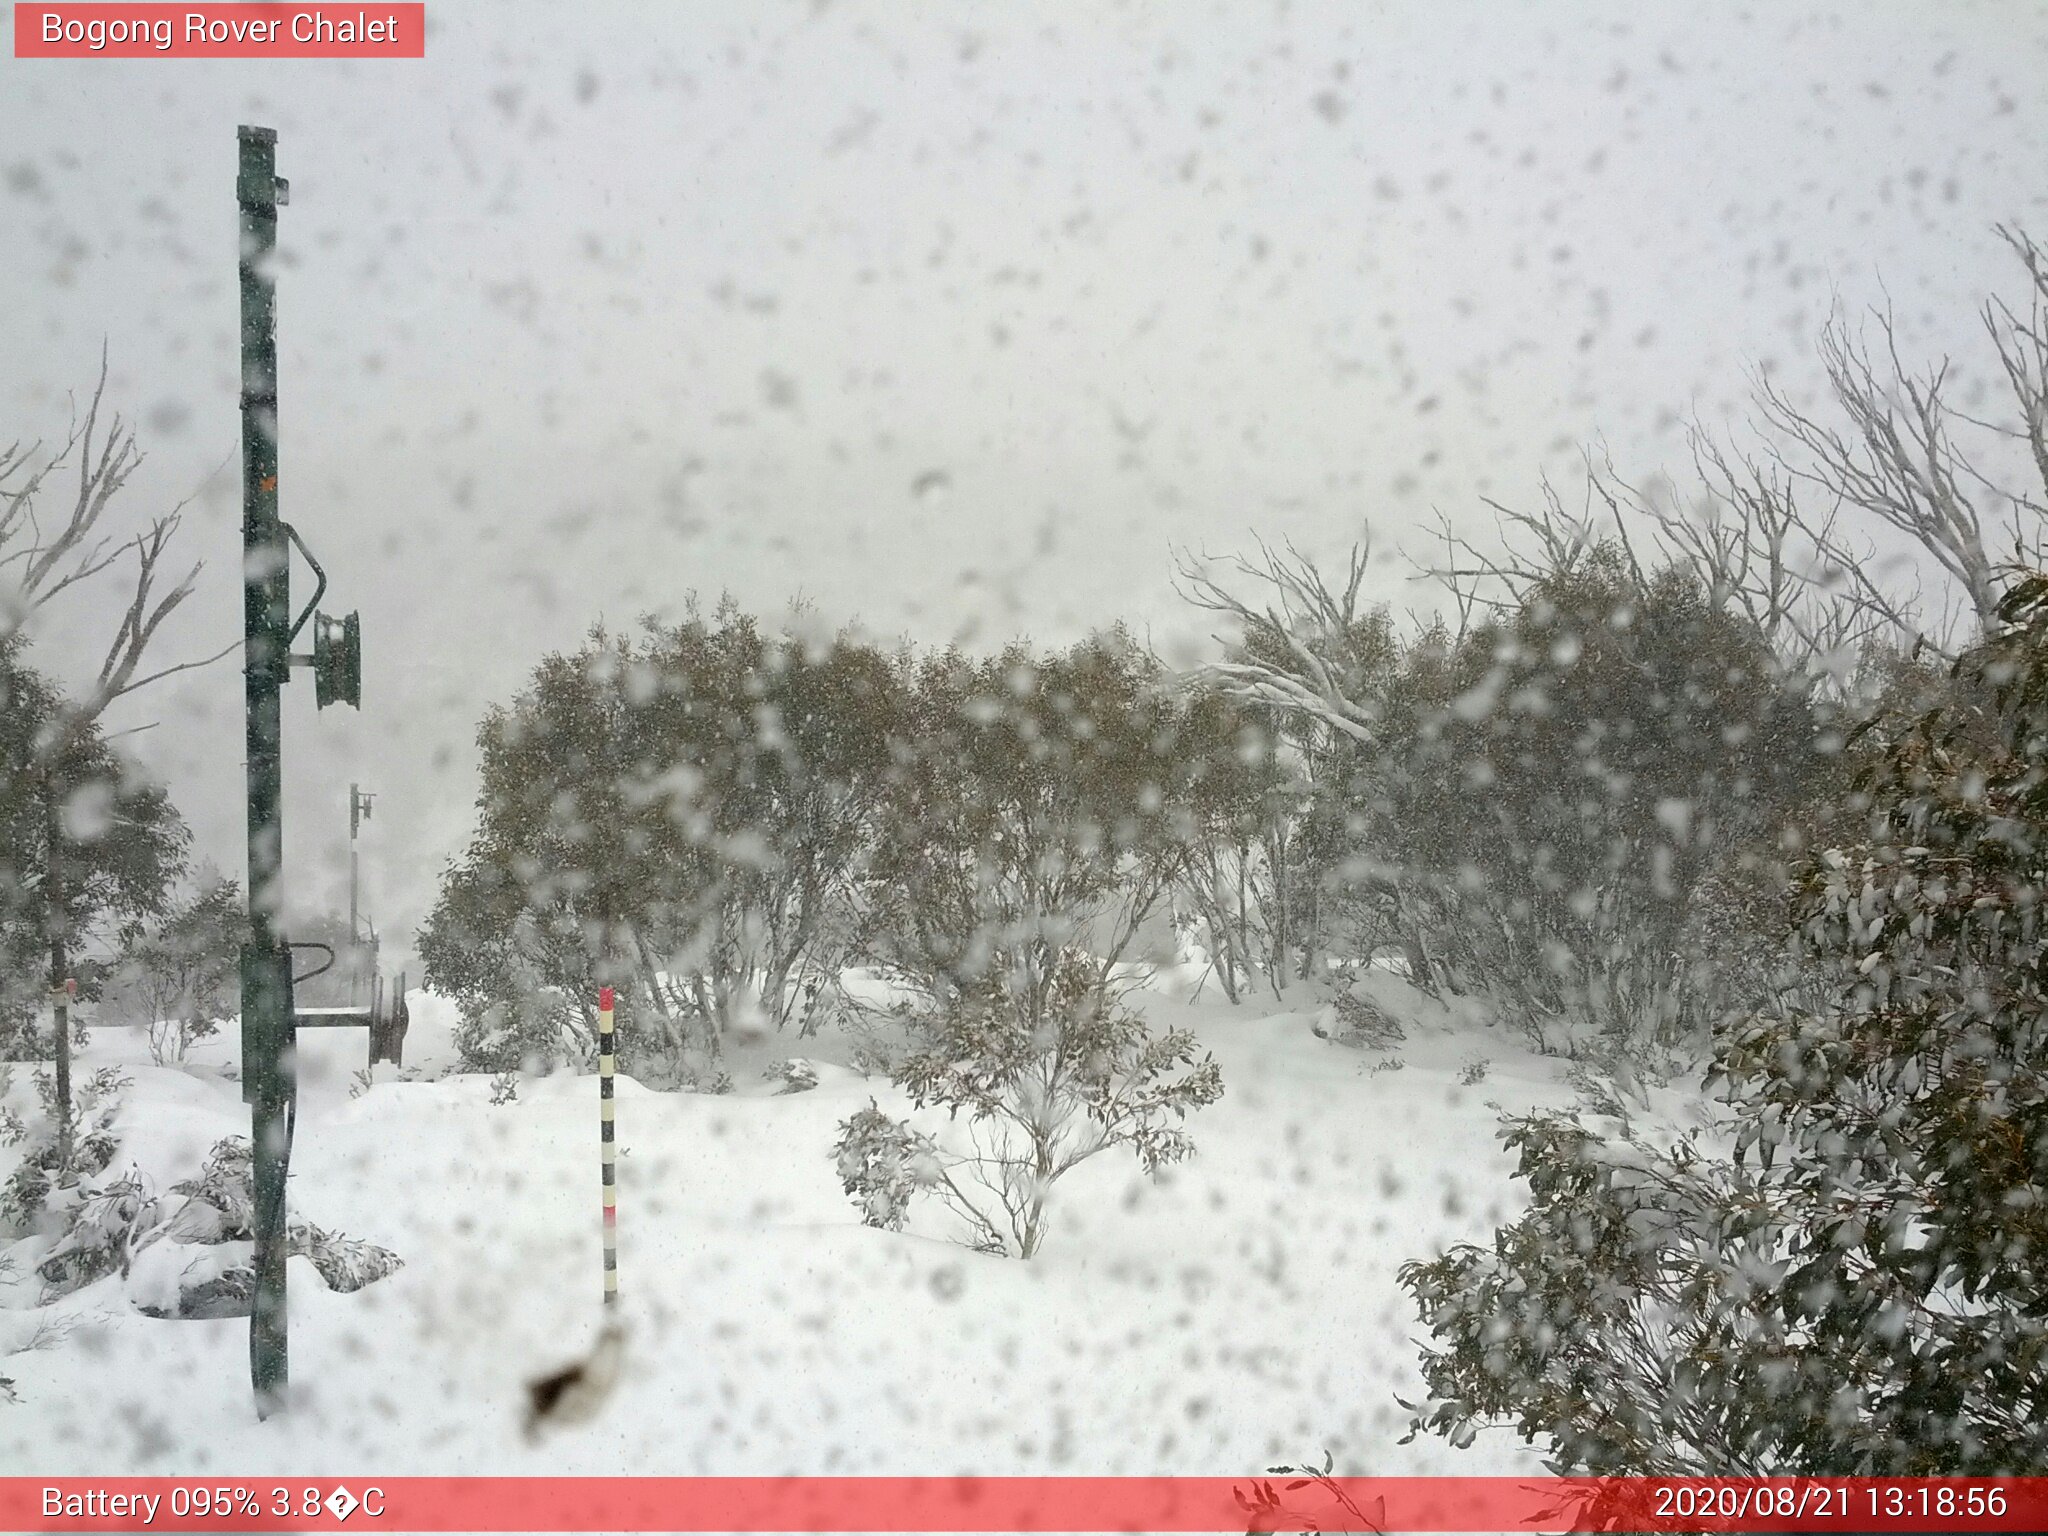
(607, 1147)
(267, 1067)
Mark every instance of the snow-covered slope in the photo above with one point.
(1240, 1310)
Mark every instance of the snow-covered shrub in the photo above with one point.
(225, 1184)
(1571, 806)
(95, 1106)
(1572, 779)
(25, 1192)
(217, 1278)
(882, 1163)
(1039, 806)
(345, 1263)
(1860, 1289)
(712, 1079)
(1474, 1071)
(510, 1029)
(65, 788)
(681, 814)
(1042, 1090)
(1246, 892)
(505, 1088)
(181, 972)
(1361, 1023)
(797, 1074)
(1598, 1094)
(220, 1208)
(192, 1280)
(104, 1228)
(1035, 820)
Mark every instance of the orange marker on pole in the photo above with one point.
(606, 1066)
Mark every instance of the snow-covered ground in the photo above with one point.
(1240, 1310)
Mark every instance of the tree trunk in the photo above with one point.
(54, 923)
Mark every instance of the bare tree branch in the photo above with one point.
(1897, 461)
(40, 562)
(1294, 646)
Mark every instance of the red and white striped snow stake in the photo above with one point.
(608, 1148)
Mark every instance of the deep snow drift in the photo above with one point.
(1241, 1310)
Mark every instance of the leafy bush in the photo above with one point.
(797, 1074)
(1361, 1023)
(345, 1263)
(1041, 1090)
(183, 969)
(1571, 805)
(1036, 805)
(681, 815)
(44, 1167)
(533, 1032)
(115, 1222)
(119, 844)
(1568, 781)
(882, 1163)
(104, 1229)
(225, 1185)
(1859, 1289)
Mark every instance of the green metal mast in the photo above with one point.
(269, 1021)
(267, 1068)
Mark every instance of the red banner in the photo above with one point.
(991, 1504)
(217, 31)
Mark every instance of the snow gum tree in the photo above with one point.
(1580, 791)
(1851, 1276)
(180, 973)
(680, 816)
(1040, 808)
(70, 807)
(1571, 802)
(1036, 805)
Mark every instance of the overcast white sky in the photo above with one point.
(955, 321)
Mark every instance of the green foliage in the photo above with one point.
(103, 1230)
(1577, 806)
(183, 970)
(119, 845)
(1862, 1287)
(1243, 889)
(882, 1163)
(1039, 1087)
(677, 816)
(1577, 803)
(43, 1169)
(113, 1221)
(1036, 803)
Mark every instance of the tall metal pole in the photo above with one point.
(355, 953)
(267, 1065)
(358, 813)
